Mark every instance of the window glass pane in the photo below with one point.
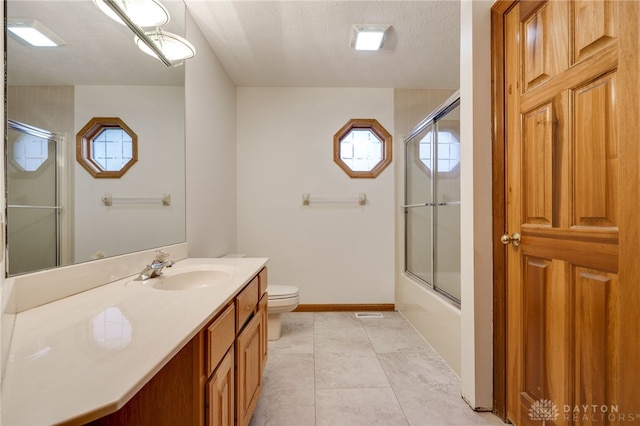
(361, 150)
(112, 149)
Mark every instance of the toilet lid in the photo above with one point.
(281, 291)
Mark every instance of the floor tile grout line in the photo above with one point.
(386, 373)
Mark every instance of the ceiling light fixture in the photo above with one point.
(368, 37)
(143, 13)
(169, 48)
(174, 47)
(33, 33)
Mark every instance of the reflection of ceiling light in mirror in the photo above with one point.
(34, 33)
(368, 37)
(143, 13)
(174, 47)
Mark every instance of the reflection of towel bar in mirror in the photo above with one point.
(361, 200)
(109, 200)
(20, 206)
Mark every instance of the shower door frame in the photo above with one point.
(57, 140)
(440, 112)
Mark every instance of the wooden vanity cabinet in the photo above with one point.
(240, 388)
(216, 379)
(250, 347)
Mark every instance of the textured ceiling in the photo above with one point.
(306, 43)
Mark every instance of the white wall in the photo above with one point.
(159, 170)
(476, 197)
(211, 152)
(464, 338)
(334, 254)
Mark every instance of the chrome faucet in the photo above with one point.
(155, 269)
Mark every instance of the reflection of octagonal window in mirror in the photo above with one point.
(362, 148)
(30, 152)
(106, 147)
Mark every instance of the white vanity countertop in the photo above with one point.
(84, 356)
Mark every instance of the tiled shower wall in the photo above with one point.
(47, 107)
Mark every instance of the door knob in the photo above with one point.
(514, 239)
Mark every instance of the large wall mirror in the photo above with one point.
(56, 212)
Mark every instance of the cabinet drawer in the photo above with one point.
(262, 276)
(246, 303)
(220, 336)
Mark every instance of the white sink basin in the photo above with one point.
(190, 279)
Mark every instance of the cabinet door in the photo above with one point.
(249, 368)
(220, 394)
(262, 311)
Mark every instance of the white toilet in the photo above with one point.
(282, 298)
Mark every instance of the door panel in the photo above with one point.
(545, 48)
(596, 153)
(596, 337)
(537, 273)
(572, 285)
(538, 154)
(594, 23)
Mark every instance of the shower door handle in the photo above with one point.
(514, 239)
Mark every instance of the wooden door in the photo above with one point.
(571, 114)
(249, 369)
(220, 395)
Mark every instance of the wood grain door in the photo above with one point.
(571, 93)
(220, 394)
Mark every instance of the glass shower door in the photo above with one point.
(432, 201)
(447, 211)
(418, 210)
(32, 188)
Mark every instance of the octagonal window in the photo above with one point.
(362, 148)
(30, 152)
(106, 147)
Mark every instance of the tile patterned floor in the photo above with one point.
(333, 369)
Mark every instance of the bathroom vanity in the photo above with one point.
(133, 352)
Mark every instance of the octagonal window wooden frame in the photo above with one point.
(84, 154)
(380, 132)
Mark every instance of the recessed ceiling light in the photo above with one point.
(33, 33)
(368, 37)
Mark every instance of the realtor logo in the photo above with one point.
(543, 410)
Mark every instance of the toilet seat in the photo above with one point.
(277, 292)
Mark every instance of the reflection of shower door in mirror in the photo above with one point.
(432, 200)
(33, 201)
